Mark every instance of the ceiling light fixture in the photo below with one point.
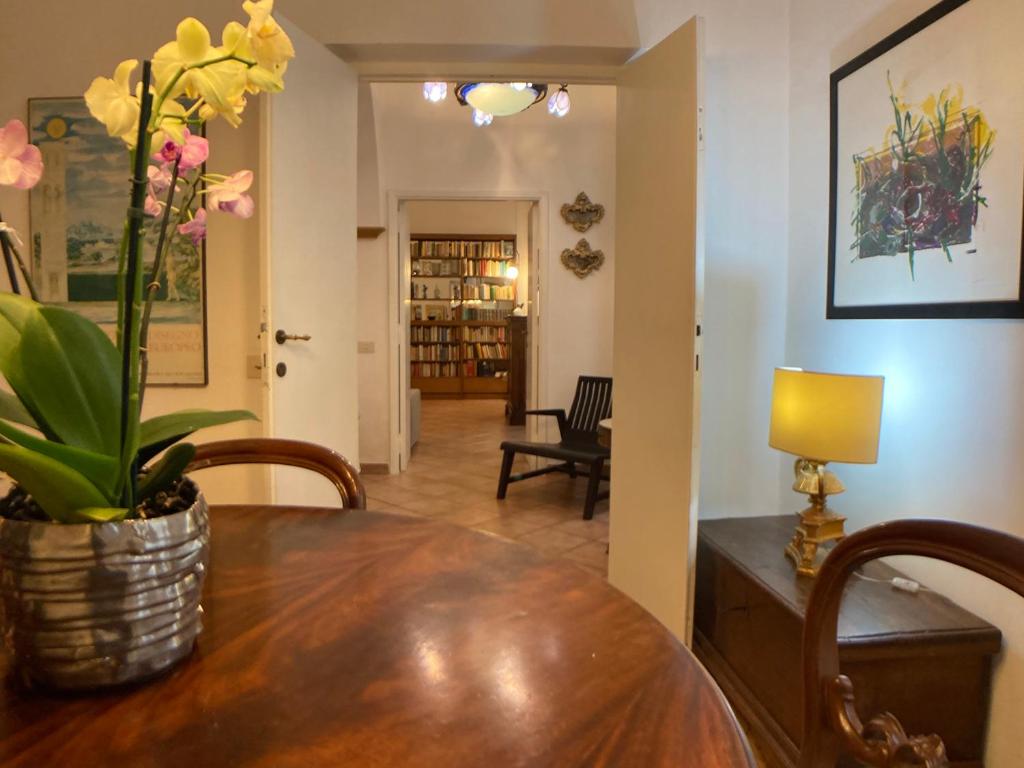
(481, 118)
(500, 99)
(558, 104)
(435, 92)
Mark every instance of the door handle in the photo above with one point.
(281, 337)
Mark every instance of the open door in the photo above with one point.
(656, 367)
(308, 194)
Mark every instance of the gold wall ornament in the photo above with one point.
(581, 259)
(582, 214)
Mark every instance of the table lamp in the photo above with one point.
(822, 417)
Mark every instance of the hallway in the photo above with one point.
(453, 476)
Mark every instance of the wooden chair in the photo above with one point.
(292, 453)
(578, 443)
(831, 723)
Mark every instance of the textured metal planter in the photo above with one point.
(88, 606)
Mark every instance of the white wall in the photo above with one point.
(952, 438)
(80, 53)
(435, 149)
(745, 171)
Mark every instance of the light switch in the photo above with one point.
(365, 347)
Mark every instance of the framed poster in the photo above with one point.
(927, 169)
(77, 215)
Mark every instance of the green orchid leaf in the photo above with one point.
(15, 311)
(99, 469)
(59, 490)
(11, 408)
(72, 371)
(166, 471)
(160, 431)
(102, 514)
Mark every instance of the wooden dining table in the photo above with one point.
(355, 638)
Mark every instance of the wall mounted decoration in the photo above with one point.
(77, 216)
(927, 147)
(581, 259)
(582, 214)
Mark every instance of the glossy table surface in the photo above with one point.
(354, 638)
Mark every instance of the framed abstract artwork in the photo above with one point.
(927, 169)
(77, 214)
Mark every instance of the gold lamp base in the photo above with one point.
(818, 524)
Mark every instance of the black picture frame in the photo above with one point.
(967, 309)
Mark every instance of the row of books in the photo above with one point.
(434, 352)
(436, 312)
(435, 370)
(434, 333)
(439, 292)
(481, 369)
(485, 268)
(489, 315)
(437, 268)
(488, 292)
(485, 334)
(487, 351)
(462, 249)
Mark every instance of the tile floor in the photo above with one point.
(453, 476)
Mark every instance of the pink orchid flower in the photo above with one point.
(193, 152)
(21, 164)
(229, 195)
(159, 179)
(153, 207)
(196, 228)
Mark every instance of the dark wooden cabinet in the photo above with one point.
(517, 348)
(919, 656)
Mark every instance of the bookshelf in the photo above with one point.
(461, 299)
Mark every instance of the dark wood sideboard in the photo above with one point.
(515, 409)
(919, 656)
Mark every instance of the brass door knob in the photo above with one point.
(281, 337)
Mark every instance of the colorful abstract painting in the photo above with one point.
(927, 169)
(77, 216)
(924, 190)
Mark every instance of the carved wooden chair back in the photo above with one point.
(591, 404)
(831, 724)
(292, 453)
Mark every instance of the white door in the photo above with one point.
(308, 178)
(658, 289)
(399, 277)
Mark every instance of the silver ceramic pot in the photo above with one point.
(94, 605)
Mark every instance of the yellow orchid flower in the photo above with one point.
(235, 40)
(218, 84)
(110, 100)
(270, 44)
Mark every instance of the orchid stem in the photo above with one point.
(154, 282)
(133, 275)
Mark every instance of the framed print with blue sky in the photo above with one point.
(77, 215)
(927, 176)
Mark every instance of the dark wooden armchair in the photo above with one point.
(577, 444)
(291, 453)
(831, 723)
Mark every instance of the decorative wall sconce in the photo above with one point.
(581, 259)
(582, 214)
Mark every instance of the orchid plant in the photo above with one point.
(87, 456)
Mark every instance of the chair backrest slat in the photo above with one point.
(591, 404)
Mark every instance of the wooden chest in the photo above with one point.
(919, 656)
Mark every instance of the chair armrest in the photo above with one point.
(558, 413)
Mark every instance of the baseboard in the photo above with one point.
(374, 469)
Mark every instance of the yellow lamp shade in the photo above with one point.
(826, 416)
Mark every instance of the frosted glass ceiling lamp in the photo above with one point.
(482, 118)
(558, 104)
(435, 92)
(822, 417)
(500, 99)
